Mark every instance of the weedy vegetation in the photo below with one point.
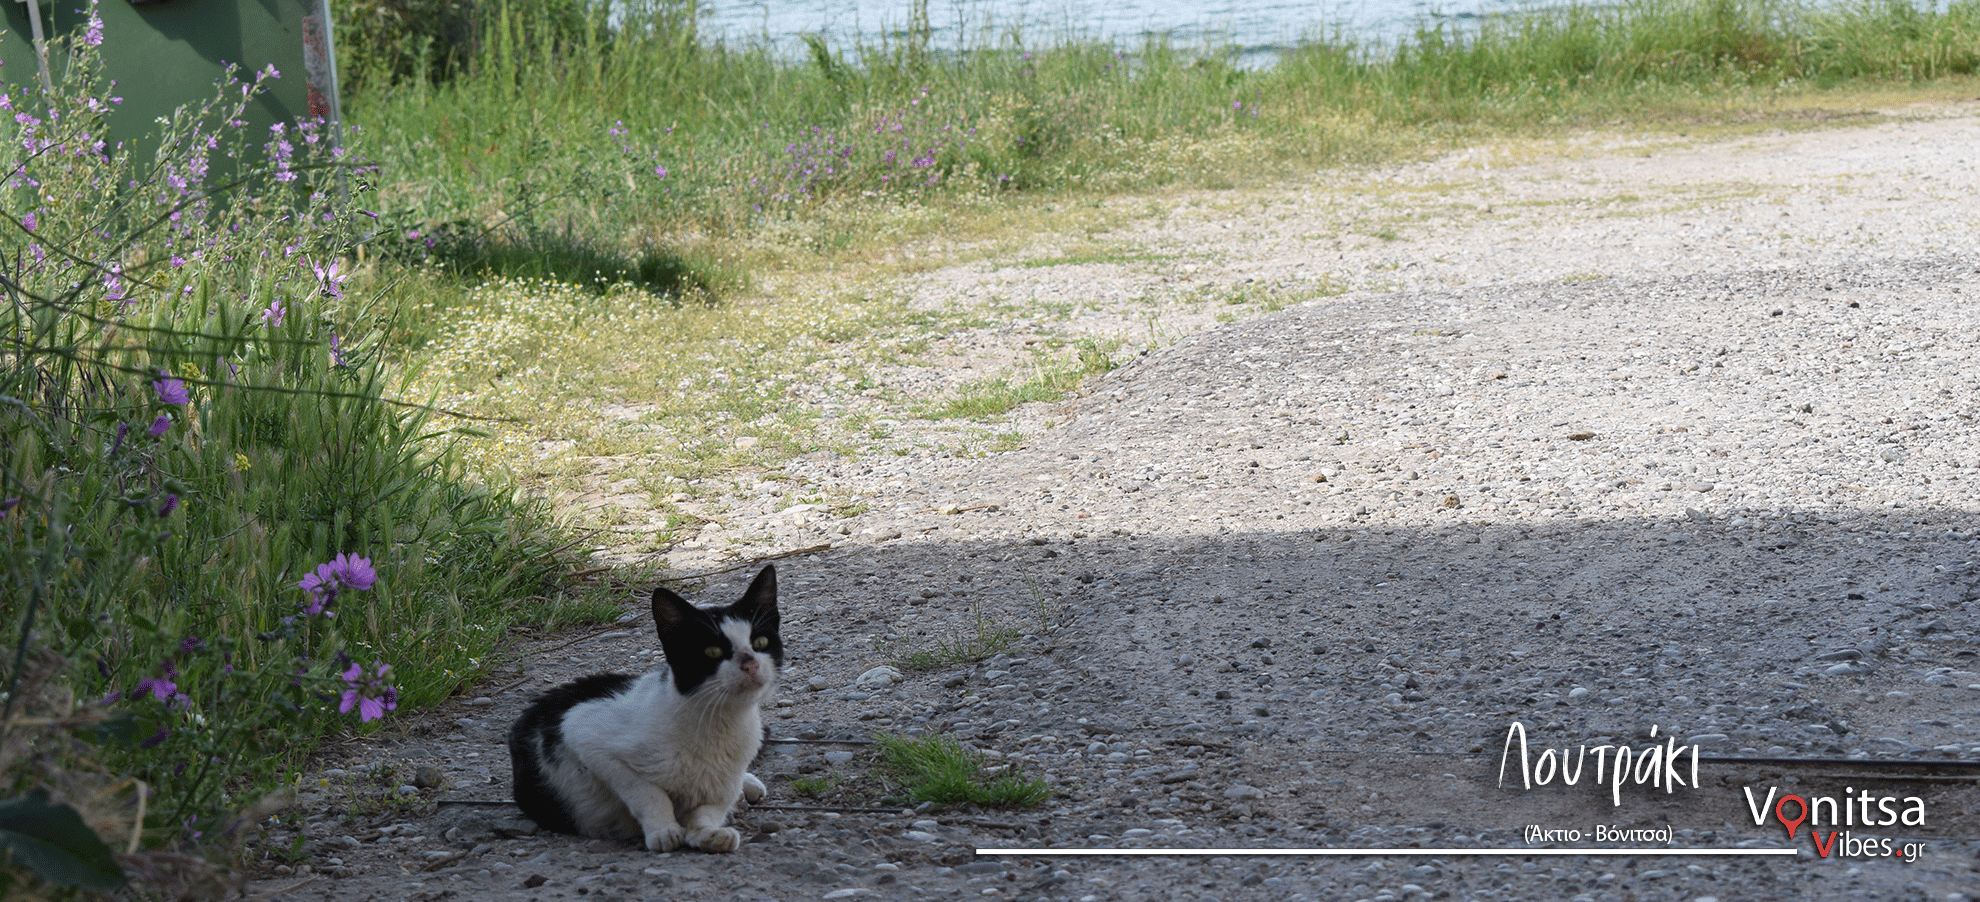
(594, 222)
(985, 637)
(939, 769)
(221, 533)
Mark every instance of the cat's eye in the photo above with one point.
(760, 643)
(713, 651)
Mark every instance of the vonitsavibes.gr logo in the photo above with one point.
(1850, 810)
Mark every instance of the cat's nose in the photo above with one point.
(747, 661)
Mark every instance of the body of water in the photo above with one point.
(1258, 27)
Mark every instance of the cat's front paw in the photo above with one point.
(752, 789)
(665, 839)
(715, 839)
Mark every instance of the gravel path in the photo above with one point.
(1596, 438)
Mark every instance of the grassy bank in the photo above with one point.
(224, 535)
(564, 150)
(653, 176)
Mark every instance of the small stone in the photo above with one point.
(1243, 792)
(480, 701)
(429, 777)
(878, 678)
(836, 758)
(534, 880)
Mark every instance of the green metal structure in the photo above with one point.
(163, 54)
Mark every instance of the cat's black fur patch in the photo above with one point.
(686, 632)
(544, 718)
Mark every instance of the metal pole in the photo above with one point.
(40, 43)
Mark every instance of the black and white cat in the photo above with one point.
(661, 757)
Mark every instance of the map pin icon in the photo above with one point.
(1795, 822)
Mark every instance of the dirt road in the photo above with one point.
(1657, 443)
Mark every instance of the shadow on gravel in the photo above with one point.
(1364, 677)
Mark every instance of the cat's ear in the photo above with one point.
(761, 599)
(669, 611)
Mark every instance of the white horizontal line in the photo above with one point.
(1434, 853)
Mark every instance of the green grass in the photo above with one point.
(1049, 380)
(636, 152)
(939, 769)
(220, 525)
(1097, 256)
(983, 639)
(649, 253)
(814, 787)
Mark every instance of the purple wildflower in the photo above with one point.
(336, 352)
(8, 505)
(170, 390)
(370, 697)
(171, 504)
(29, 220)
(161, 688)
(155, 739)
(343, 571)
(113, 285)
(158, 426)
(352, 571)
(328, 280)
(321, 594)
(660, 171)
(273, 315)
